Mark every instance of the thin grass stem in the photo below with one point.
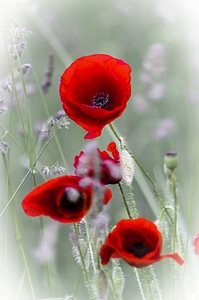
(124, 200)
(88, 280)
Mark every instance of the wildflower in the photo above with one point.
(18, 32)
(4, 147)
(3, 107)
(94, 91)
(137, 241)
(99, 164)
(196, 244)
(47, 126)
(63, 199)
(47, 82)
(61, 120)
(7, 84)
(17, 35)
(57, 169)
(17, 50)
(45, 170)
(25, 68)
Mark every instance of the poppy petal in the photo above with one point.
(94, 90)
(62, 199)
(137, 241)
(99, 164)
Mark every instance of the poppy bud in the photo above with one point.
(171, 160)
(100, 285)
(118, 279)
(80, 250)
(127, 166)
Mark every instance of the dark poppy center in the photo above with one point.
(71, 201)
(101, 100)
(139, 249)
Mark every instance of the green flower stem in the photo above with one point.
(173, 179)
(135, 212)
(48, 115)
(18, 236)
(29, 136)
(31, 139)
(140, 284)
(145, 173)
(15, 193)
(163, 212)
(153, 185)
(76, 285)
(156, 282)
(61, 151)
(135, 215)
(6, 246)
(146, 284)
(115, 133)
(47, 271)
(89, 245)
(168, 191)
(88, 281)
(113, 290)
(173, 245)
(16, 95)
(25, 177)
(19, 239)
(124, 200)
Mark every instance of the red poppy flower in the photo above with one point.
(99, 164)
(94, 91)
(66, 199)
(196, 244)
(137, 241)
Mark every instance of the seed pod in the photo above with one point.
(171, 160)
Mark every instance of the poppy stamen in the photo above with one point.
(101, 100)
(71, 200)
(139, 249)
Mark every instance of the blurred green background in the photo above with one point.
(162, 114)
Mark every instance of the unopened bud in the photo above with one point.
(100, 285)
(127, 166)
(118, 279)
(171, 160)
